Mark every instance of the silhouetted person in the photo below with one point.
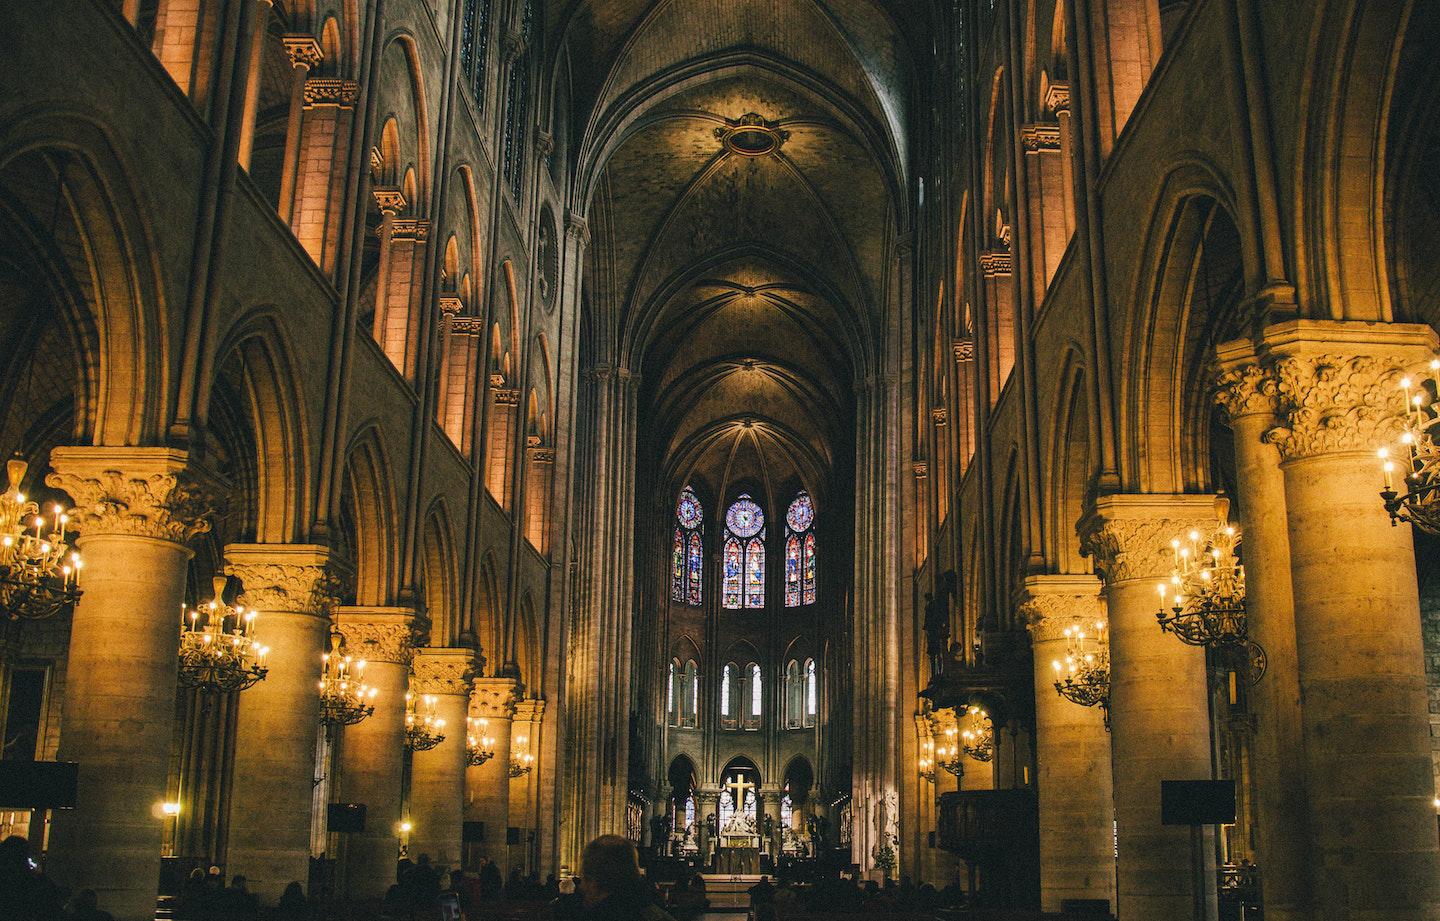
(762, 893)
(26, 894)
(237, 899)
(421, 885)
(86, 907)
(611, 885)
(292, 905)
(490, 881)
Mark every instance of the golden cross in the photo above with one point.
(737, 788)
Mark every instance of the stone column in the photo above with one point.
(1246, 392)
(278, 719)
(135, 510)
(372, 751)
(525, 733)
(1072, 752)
(1159, 711)
(706, 802)
(770, 797)
(437, 776)
(488, 786)
(305, 55)
(1368, 777)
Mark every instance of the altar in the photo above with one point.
(737, 861)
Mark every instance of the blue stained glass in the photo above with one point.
(696, 564)
(792, 571)
(677, 568)
(755, 573)
(734, 563)
(744, 519)
(810, 568)
(688, 510)
(801, 513)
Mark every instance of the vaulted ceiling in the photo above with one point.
(742, 163)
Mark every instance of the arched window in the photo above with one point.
(757, 697)
(811, 694)
(787, 813)
(475, 45)
(744, 558)
(794, 696)
(690, 695)
(689, 813)
(800, 552)
(728, 679)
(670, 693)
(517, 101)
(687, 552)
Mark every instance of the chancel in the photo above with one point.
(983, 448)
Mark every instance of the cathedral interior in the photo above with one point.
(991, 444)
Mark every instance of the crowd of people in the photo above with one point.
(27, 894)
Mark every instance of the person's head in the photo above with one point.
(197, 873)
(609, 865)
(871, 887)
(213, 872)
(423, 860)
(293, 894)
(238, 882)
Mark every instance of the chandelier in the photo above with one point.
(926, 761)
(1420, 503)
(345, 698)
(479, 748)
(423, 729)
(521, 764)
(1203, 603)
(947, 756)
(1084, 676)
(218, 651)
(39, 573)
(979, 737)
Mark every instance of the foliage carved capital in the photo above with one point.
(143, 492)
(443, 671)
(1049, 604)
(280, 577)
(1245, 390)
(377, 634)
(1128, 536)
(1336, 403)
(494, 698)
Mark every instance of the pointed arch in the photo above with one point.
(439, 567)
(368, 513)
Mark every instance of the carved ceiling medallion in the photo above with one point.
(751, 135)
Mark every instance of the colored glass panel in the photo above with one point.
(744, 519)
(801, 513)
(810, 568)
(696, 566)
(677, 568)
(755, 573)
(688, 510)
(734, 565)
(792, 571)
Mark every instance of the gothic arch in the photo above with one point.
(486, 616)
(439, 567)
(369, 492)
(1071, 465)
(96, 264)
(1195, 255)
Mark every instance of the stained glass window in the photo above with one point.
(811, 695)
(670, 693)
(677, 567)
(734, 564)
(727, 808)
(688, 563)
(800, 552)
(744, 560)
(725, 692)
(696, 564)
(787, 812)
(757, 693)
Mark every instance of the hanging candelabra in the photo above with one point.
(1203, 603)
(345, 698)
(1084, 675)
(926, 762)
(521, 761)
(218, 651)
(479, 747)
(423, 729)
(1418, 455)
(948, 757)
(979, 736)
(39, 572)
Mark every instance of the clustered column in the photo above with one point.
(488, 785)
(1160, 716)
(372, 751)
(437, 776)
(278, 719)
(1072, 753)
(1368, 770)
(135, 510)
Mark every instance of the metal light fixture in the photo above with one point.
(1419, 453)
(479, 747)
(1203, 603)
(1084, 675)
(218, 651)
(521, 764)
(423, 729)
(345, 698)
(979, 737)
(39, 573)
(948, 757)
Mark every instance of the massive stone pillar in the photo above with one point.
(1072, 752)
(770, 798)
(1277, 761)
(1368, 776)
(524, 789)
(278, 719)
(134, 511)
(372, 751)
(488, 785)
(1160, 717)
(707, 803)
(437, 776)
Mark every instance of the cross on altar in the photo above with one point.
(737, 788)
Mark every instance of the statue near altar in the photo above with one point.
(738, 832)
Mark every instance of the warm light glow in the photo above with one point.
(170, 808)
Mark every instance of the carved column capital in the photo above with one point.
(964, 350)
(1337, 383)
(995, 263)
(1040, 136)
(389, 201)
(1057, 97)
(530, 710)
(1245, 388)
(443, 670)
(377, 634)
(494, 698)
(1128, 536)
(144, 492)
(1049, 604)
(331, 91)
(577, 227)
(304, 50)
(290, 578)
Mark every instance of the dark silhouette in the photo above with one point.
(490, 882)
(26, 894)
(611, 885)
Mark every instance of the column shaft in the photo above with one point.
(437, 776)
(119, 707)
(488, 786)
